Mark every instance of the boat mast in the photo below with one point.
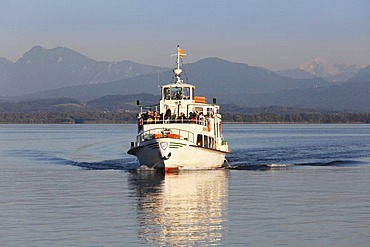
(177, 71)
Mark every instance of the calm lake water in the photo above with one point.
(286, 185)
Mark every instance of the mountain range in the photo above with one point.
(61, 72)
(42, 69)
(318, 67)
(64, 72)
(212, 76)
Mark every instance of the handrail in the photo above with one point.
(176, 121)
(167, 133)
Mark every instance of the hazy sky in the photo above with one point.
(275, 34)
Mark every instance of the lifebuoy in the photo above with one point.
(209, 125)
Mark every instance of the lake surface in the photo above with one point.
(286, 185)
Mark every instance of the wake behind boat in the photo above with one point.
(184, 131)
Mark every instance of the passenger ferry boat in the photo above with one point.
(183, 133)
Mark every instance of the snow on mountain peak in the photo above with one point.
(319, 67)
(4, 60)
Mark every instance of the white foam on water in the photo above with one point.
(279, 165)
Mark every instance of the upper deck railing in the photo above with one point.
(176, 121)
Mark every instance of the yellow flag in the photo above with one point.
(179, 50)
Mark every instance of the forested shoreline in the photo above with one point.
(130, 117)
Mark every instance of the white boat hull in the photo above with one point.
(177, 154)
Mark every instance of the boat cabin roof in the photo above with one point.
(178, 85)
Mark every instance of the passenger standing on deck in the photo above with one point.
(201, 118)
(156, 116)
(193, 117)
(167, 115)
(181, 118)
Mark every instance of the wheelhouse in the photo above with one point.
(177, 92)
(181, 99)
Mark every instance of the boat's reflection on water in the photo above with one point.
(188, 208)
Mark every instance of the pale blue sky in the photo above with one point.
(275, 34)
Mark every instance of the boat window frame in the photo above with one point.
(166, 93)
(186, 93)
(200, 140)
(205, 141)
(211, 142)
(176, 93)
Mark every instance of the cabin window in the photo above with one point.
(206, 142)
(211, 142)
(186, 93)
(210, 111)
(176, 93)
(200, 140)
(167, 93)
(198, 109)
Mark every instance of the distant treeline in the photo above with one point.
(298, 117)
(67, 117)
(130, 117)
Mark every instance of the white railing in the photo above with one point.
(166, 133)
